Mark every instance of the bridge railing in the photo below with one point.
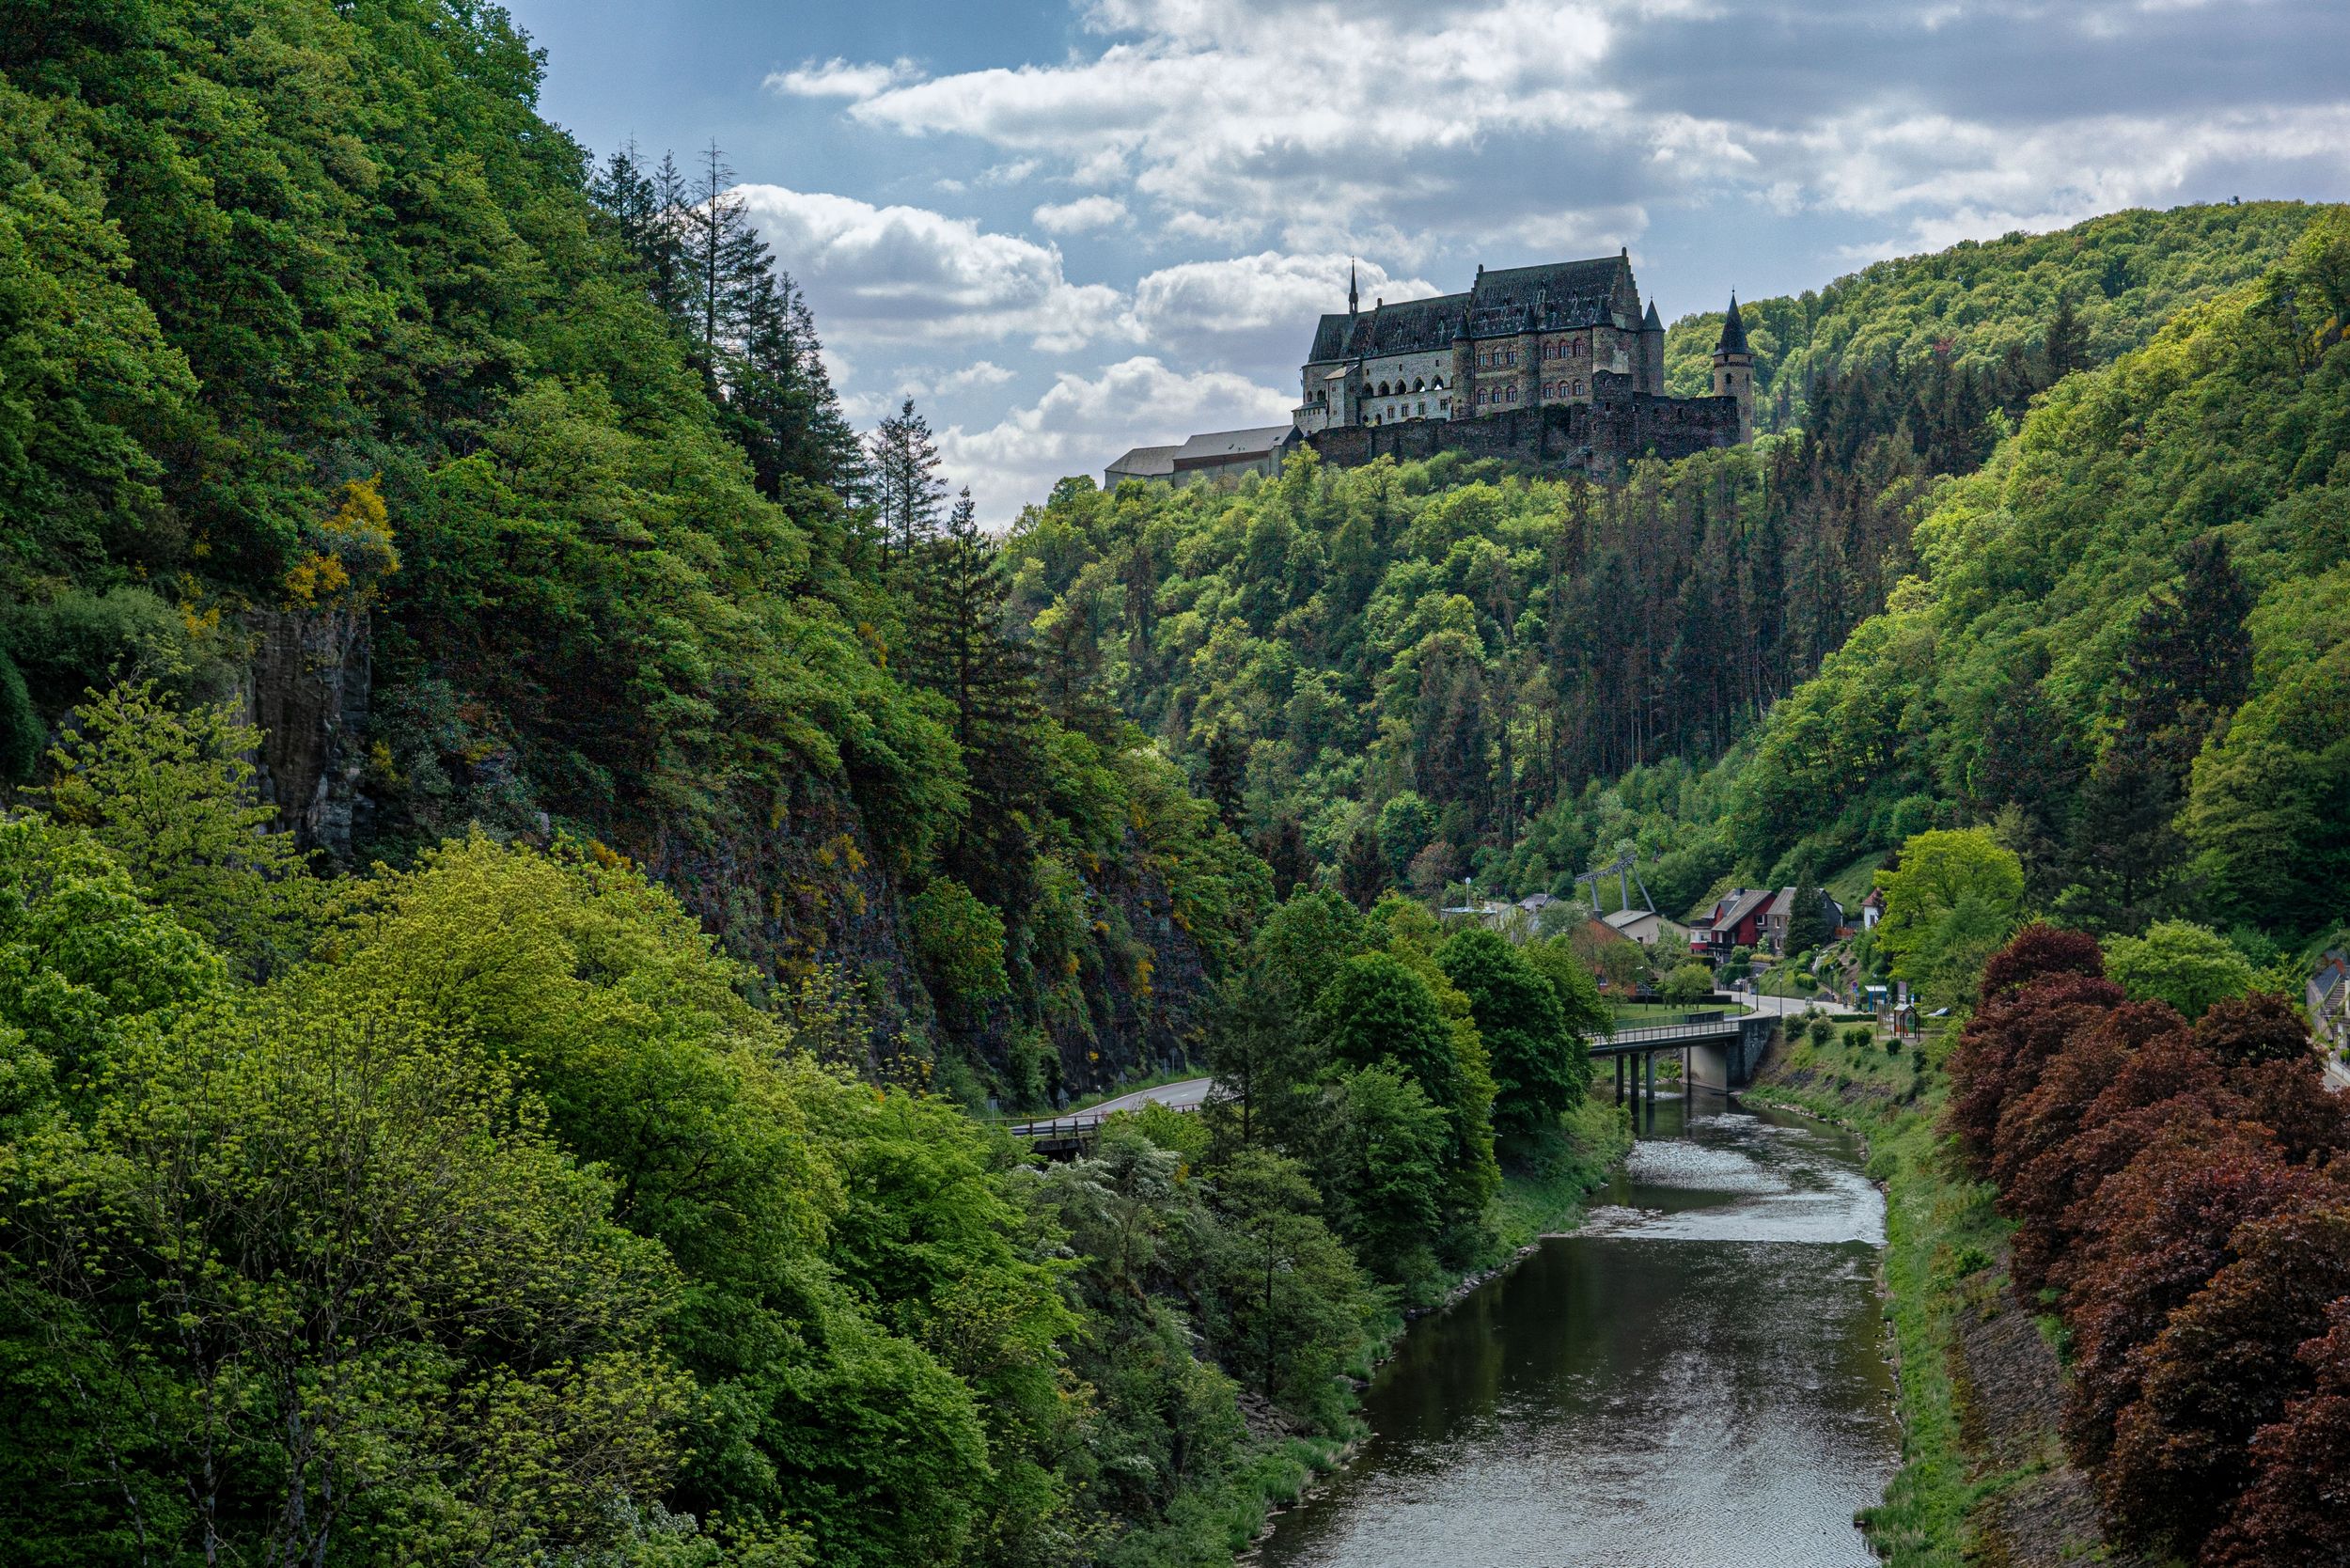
(1080, 1125)
(1706, 1028)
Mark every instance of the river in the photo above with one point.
(1695, 1379)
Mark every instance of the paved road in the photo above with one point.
(1187, 1095)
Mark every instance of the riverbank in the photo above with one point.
(1544, 1187)
(1984, 1477)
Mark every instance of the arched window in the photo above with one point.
(1579, 389)
(1420, 384)
(1513, 394)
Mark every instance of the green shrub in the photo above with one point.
(1856, 1036)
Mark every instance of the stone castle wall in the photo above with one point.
(1599, 437)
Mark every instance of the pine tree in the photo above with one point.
(906, 486)
(2189, 662)
(727, 266)
(2030, 762)
(647, 211)
(1068, 670)
(1284, 851)
(1227, 778)
(2065, 349)
(790, 419)
(957, 648)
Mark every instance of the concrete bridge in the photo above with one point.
(1719, 1049)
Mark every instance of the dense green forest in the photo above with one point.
(527, 842)
(1775, 662)
(533, 853)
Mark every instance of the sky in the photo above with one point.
(1070, 227)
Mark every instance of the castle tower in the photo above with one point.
(1733, 369)
(1653, 352)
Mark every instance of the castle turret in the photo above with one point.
(1653, 352)
(1354, 300)
(1733, 369)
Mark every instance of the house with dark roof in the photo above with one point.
(2329, 1000)
(1734, 921)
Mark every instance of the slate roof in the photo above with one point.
(1733, 332)
(1222, 445)
(1414, 326)
(1742, 902)
(1557, 296)
(1146, 462)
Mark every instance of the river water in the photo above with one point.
(1696, 1379)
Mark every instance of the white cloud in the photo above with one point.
(1081, 424)
(1420, 126)
(1253, 294)
(838, 78)
(1081, 217)
(909, 274)
(977, 373)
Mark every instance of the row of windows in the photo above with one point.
(1498, 359)
(1488, 394)
(1418, 384)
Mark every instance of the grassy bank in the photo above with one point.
(1543, 1183)
(1942, 1237)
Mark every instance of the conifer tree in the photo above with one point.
(958, 649)
(790, 417)
(1285, 852)
(906, 486)
(1227, 776)
(1068, 651)
(2065, 349)
(726, 265)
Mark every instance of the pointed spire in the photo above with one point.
(1354, 300)
(1733, 332)
(1651, 322)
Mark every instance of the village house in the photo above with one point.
(1735, 921)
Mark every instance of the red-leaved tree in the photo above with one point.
(2151, 1237)
(2226, 1366)
(2297, 1509)
(2005, 1048)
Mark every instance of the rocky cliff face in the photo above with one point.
(307, 686)
(789, 880)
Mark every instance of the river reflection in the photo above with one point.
(1694, 1380)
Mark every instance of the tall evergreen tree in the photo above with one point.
(1227, 778)
(2066, 347)
(958, 649)
(726, 265)
(782, 396)
(906, 486)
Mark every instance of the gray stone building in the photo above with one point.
(1561, 358)
(1216, 455)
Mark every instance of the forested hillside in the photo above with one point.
(557, 1147)
(1425, 670)
(516, 494)
(1964, 324)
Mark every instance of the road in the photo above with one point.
(1187, 1095)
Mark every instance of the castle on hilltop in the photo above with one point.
(1556, 365)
